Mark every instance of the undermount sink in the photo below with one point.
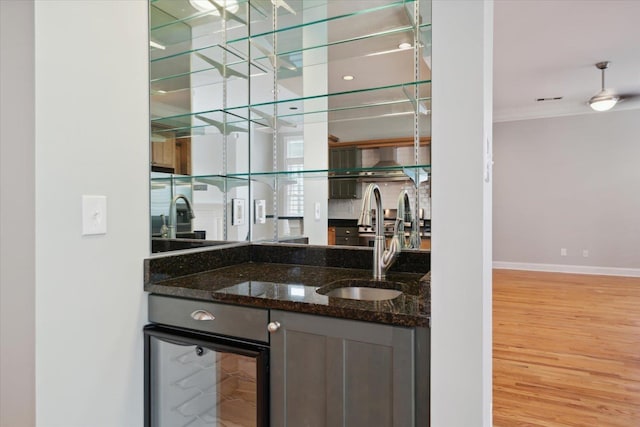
(362, 290)
(364, 293)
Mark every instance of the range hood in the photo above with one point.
(388, 159)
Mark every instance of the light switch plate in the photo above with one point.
(94, 215)
(237, 212)
(260, 211)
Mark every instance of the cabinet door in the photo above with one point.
(331, 236)
(163, 152)
(336, 372)
(344, 158)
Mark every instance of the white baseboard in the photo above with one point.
(560, 268)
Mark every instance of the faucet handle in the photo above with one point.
(389, 256)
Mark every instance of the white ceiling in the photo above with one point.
(548, 48)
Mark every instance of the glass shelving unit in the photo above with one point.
(231, 78)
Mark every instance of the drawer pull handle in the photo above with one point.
(273, 326)
(202, 315)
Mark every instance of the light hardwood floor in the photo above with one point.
(566, 350)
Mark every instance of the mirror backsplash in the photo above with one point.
(258, 134)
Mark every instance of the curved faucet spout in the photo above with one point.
(173, 220)
(382, 258)
(403, 215)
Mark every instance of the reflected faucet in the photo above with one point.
(403, 216)
(173, 220)
(382, 258)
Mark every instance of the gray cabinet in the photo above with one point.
(342, 186)
(335, 372)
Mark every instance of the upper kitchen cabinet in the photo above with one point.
(247, 92)
(344, 158)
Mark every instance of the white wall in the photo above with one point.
(461, 214)
(17, 217)
(91, 128)
(568, 182)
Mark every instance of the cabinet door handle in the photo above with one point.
(202, 315)
(273, 326)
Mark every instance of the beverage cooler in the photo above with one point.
(195, 378)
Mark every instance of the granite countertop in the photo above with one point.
(293, 287)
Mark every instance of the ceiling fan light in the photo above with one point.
(603, 101)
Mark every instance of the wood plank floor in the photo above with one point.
(566, 350)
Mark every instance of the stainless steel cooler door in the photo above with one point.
(204, 384)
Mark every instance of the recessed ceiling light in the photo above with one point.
(404, 45)
(206, 6)
(347, 77)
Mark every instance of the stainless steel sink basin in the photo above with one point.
(362, 289)
(364, 293)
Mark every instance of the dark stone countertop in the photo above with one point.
(285, 286)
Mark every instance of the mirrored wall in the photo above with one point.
(270, 119)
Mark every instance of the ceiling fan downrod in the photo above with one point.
(603, 100)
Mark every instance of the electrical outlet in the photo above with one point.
(585, 253)
(563, 251)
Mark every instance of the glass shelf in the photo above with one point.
(171, 13)
(201, 123)
(206, 66)
(170, 18)
(387, 19)
(222, 182)
(350, 105)
(417, 173)
(199, 67)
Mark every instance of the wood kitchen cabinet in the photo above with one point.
(163, 151)
(331, 236)
(335, 372)
(425, 243)
(170, 154)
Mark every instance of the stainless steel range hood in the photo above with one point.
(388, 159)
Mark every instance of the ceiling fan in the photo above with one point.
(606, 99)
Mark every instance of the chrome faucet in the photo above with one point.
(382, 258)
(173, 221)
(404, 215)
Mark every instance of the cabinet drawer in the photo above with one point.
(347, 240)
(234, 321)
(346, 231)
